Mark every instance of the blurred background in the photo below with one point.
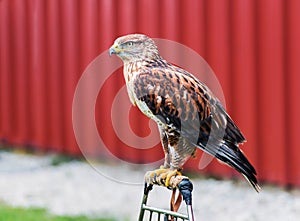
(252, 46)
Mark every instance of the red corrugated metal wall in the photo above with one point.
(252, 46)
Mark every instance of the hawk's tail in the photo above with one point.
(232, 155)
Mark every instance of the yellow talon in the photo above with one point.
(159, 172)
(170, 174)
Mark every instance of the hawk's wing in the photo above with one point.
(181, 101)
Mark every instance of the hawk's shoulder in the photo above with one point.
(172, 93)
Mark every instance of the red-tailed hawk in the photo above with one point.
(187, 113)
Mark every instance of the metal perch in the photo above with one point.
(180, 183)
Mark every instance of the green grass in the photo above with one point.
(59, 159)
(8, 213)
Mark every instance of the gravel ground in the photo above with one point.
(76, 188)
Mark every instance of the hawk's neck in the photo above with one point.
(133, 68)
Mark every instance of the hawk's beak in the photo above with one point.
(114, 50)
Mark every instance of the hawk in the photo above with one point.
(187, 113)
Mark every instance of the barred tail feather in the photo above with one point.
(231, 154)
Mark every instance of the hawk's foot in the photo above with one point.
(165, 174)
(159, 172)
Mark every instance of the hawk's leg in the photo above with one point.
(169, 169)
(169, 140)
(164, 142)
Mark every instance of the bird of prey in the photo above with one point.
(187, 113)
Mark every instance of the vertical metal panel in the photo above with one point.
(54, 85)
(146, 10)
(271, 90)
(126, 16)
(107, 24)
(19, 71)
(5, 76)
(292, 77)
(90, 40)
(252, 46)
(37, 73)
(170, 19)
(194, 15)
(71, 70)
(244, 87)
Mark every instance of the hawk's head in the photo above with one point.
(134, 47)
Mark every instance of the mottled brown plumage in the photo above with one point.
(186, 111)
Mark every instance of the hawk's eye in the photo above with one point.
(129, 43)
